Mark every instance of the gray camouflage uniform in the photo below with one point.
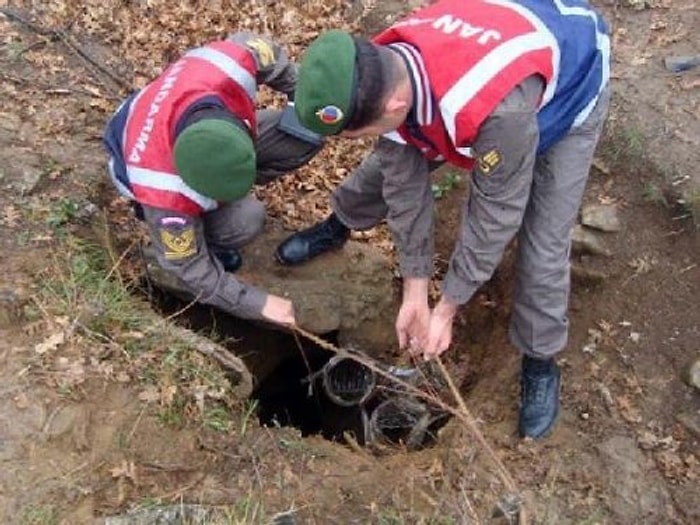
(235, 223)
(534, 196)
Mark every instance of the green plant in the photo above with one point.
(448, 182)
(78, 284)
(173, 414)
(652, 193)
(63, 212)
(247, 511)
(249, 409)
(389, 518)
(217, 418)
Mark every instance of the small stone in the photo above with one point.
(585, 416)
(587, 276)
(692, 374)
(583, 240)
(678, 64)
(601, 217)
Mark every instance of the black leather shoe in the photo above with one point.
(231, 259)
(539, 397)
(307, 244)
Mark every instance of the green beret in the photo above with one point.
(216, 158)
(325, 88)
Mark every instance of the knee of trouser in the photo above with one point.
(254, 220)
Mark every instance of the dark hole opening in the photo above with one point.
(287, 398)
(281, 365)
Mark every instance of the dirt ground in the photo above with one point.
(101, 419)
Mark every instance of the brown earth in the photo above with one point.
(99, 417)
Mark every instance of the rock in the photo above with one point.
(678, 64)
(601, 217)
(636, 492)
(587, 276)
(585, 241)
(691, 374)
(350, 290)
(169, 515)
(21, 171)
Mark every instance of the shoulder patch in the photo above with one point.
(489, 161)
(264, 51)
(178, 238)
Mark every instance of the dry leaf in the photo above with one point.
(50, 343)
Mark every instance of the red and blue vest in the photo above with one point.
(141, 134)
(465, 56)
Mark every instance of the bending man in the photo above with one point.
(186, 150)
(516, 92)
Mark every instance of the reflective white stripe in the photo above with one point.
(554, 45)
(577, 11)
(395, 137)
(467, 87)
(130, 114)
(603, 44)
(160, 180)
(123, 190)
(424, 99)
(465, 152)
(228, 66)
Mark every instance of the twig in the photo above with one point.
(687, 268)
(462, 413)
(470, 422)
(136, 424)
(53, 90)
(62, 36)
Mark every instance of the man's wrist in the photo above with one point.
(415, 289)
(446, 307)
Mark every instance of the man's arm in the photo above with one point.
(180, 248)
(505, 149)
(275, 69)
(409, 198)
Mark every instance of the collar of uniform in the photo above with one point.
(423, 99)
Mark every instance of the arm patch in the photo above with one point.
(262, 50)
(178, 238)
(487, 163)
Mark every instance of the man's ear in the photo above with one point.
(395, 106)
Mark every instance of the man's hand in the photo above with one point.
(440, 329)
(414, 315)
(279, 310)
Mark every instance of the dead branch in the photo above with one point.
(66, 39)
(462, 413)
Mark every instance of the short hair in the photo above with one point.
(375, 74)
